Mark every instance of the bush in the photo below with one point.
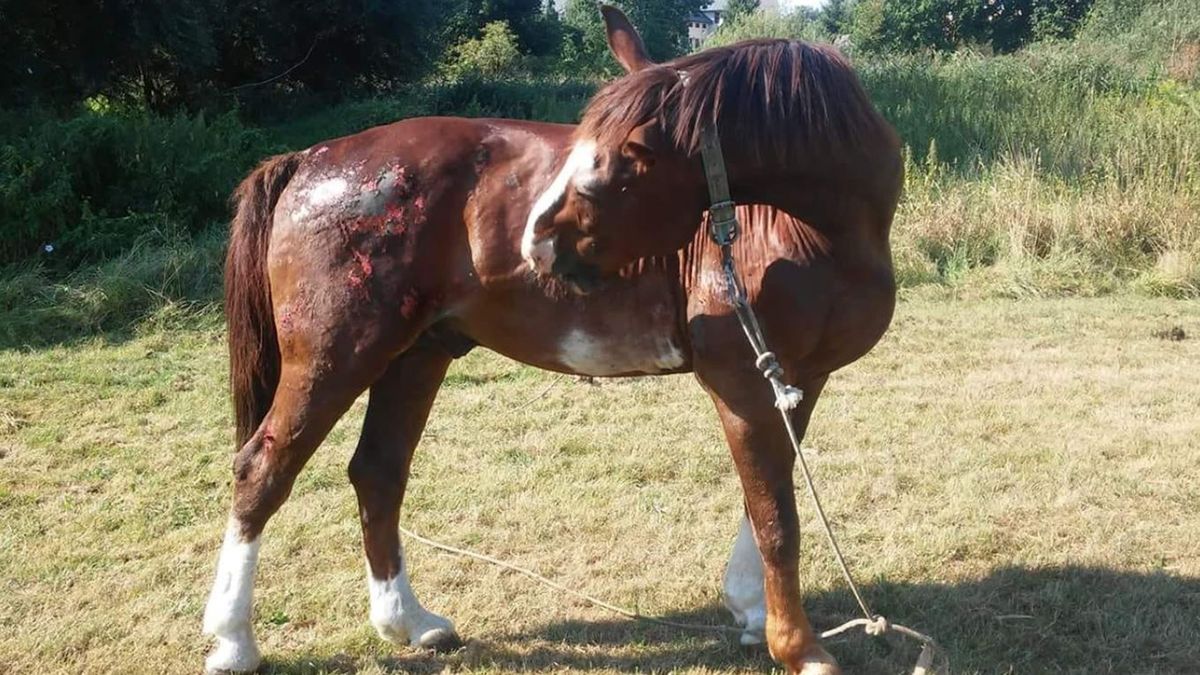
(493, 54)
(766, 24)
(87, 187)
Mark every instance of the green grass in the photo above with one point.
(1015, 478)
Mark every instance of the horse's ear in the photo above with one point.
(624, 41)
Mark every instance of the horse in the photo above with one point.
(371, 262)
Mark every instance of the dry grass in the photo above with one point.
(1017, 478)
(1022, 232)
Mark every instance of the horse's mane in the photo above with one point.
(775, 99)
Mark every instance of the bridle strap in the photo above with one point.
(723, 223)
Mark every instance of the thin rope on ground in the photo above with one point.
(545, 391)
(559, 587)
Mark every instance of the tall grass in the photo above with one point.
(164, 278)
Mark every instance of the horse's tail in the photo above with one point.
(253, 345)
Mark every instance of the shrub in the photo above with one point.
(493, 54)
(90, 185)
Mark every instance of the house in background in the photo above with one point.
(702, 23)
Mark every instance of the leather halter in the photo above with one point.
(723, 228)
(723, 222)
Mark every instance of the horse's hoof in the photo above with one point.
(817, 661)
(751, 637)
(440, 640)
(233, 656)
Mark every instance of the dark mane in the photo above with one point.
(779, 99)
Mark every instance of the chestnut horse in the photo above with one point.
(372, 261)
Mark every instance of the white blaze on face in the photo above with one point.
(580, 164)
(744, 594)
(399, 617)
(227, 616)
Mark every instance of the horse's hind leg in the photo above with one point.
(396, 415)
(307, 403)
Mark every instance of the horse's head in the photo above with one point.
(790, 115)
(619, 196)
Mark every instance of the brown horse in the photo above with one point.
(371, 261)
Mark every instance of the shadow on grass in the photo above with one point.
(1016, 620)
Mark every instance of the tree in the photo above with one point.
(661, 23)
(493, 54)
(835, 17)
(164, 54)
(739, 8)
(943, 25)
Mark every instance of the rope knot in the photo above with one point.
(768, 365)
(787, 398)
(877, 626)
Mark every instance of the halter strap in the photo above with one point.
(723, 222)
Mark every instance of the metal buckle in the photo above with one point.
(723, 223)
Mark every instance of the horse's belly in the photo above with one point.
(616, 332)
(592, 353)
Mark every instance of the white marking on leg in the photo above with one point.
(744, 594)
(399, 617)
(227, 616)
(540, 254)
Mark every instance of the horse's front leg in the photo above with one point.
(396, 414)
(765, 459)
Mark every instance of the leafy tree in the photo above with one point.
(792, 26)
(835, 17)
(661, 23)
(493, 54)
(163, 54)
(867, 25)
(942, 25)
(739, 8)
(584, 46)
(536, 29)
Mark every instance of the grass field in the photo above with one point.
(1019, 479)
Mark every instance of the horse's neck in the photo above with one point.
(765, 235)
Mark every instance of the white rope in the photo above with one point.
(559, 587)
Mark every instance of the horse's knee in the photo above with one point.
(778, 542)
(367, 470)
